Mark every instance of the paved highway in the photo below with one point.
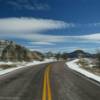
(53, 81)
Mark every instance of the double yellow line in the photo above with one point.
(46, 85)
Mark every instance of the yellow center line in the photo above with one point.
(49, 87)
(46, 85)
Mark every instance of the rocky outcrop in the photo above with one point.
(15, 52)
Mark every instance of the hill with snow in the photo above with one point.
(11, 51)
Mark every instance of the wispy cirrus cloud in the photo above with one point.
(26, 4)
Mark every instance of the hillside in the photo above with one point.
(77, 53)
(10, 51)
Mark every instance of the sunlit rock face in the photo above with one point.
(3, 44)
(10, 51)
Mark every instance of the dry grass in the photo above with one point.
(83, 64)
(94, 70)
(7, 66)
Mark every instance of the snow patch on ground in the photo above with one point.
(22, 65)
(3, 63)
(73, 65)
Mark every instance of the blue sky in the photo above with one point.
(57, 25)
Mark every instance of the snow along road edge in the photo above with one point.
(2, 72)
(72, 65)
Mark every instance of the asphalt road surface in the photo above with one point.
(53, 81)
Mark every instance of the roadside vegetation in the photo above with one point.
(97, 63)
(5, 66)
(58, 56)
(61, 56)
(90, 64)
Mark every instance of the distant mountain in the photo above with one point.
(10, 51)
(77, 53)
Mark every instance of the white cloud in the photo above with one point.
(95, 36)
(44, 39)
(41, 39)
(19, 25)
(32, 46)
(42, 43)
(90, 37)
(31, 28)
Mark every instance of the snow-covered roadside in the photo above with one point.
(73, 65)
(22, 65)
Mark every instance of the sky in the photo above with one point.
(51, 25)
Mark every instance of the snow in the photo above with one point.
(22, 65)
(73, 65)
(8, 63)
(1, 69)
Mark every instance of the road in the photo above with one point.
(53, 81)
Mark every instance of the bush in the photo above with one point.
(7, 66)
(98, 59)
(83, 63)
